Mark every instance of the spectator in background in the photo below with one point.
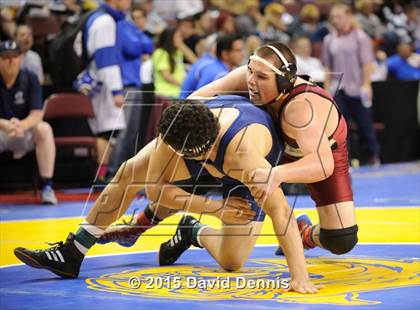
(168, 64)
(234, 7)
(348, 51)
(370, 23)
(194, 73)
(141, 18)
(7, 24)
(229, 54)
(203, 26)
(397, 21)
(413, 23)
(272, 26)
(103, 48)
(308, 24)
(225, 23)
(246, 24)
(155, 24)
(380, 69)
(134, 44)
(306, 64)
(185, 31)
(21, 125)
(404, 66)
(31, 59)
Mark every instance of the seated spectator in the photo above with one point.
(21, 125)
(380, 67)
(185, 31)
(308, 24)
(305, 63)
(404, 66)
(31, 60)
(229, 54)
(397, 21)
(246, 24)
(413, 23)
(272, 26)
(370, 23)
(194, 73)
(155, 24)
(203, 26)
(234, 7)
(225, 23)
(7, 24)
(168, 64)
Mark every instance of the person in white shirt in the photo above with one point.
(31, 59)
(305, 63)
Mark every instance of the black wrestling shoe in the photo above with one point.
(172, 249)
(63, 259)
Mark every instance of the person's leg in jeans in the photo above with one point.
(362, 116)
(343, 101)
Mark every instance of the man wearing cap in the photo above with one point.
(21, 125)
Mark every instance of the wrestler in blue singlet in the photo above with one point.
(248, 114)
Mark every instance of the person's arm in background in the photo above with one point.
(161, 64)
(367, 59)
(18, 127)
(147, 44)
(102, 44)
(4, 125)
(131, 38)
(327, 62)
(234, 81)
(186, 51)
(39, 71)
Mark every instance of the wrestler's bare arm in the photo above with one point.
(301, 121)
(163, 169)
(234, 81)
(247, 152)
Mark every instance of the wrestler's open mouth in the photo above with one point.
(253, 93)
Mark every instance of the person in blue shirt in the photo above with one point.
(193, 76)
(405, 65)
(229, 54)
(21, 126)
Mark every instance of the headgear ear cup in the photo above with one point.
(284, 82)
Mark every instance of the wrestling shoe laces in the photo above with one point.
(63, 259)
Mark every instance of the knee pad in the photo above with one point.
(339, 241)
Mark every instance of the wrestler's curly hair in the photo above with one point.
(188, 125)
